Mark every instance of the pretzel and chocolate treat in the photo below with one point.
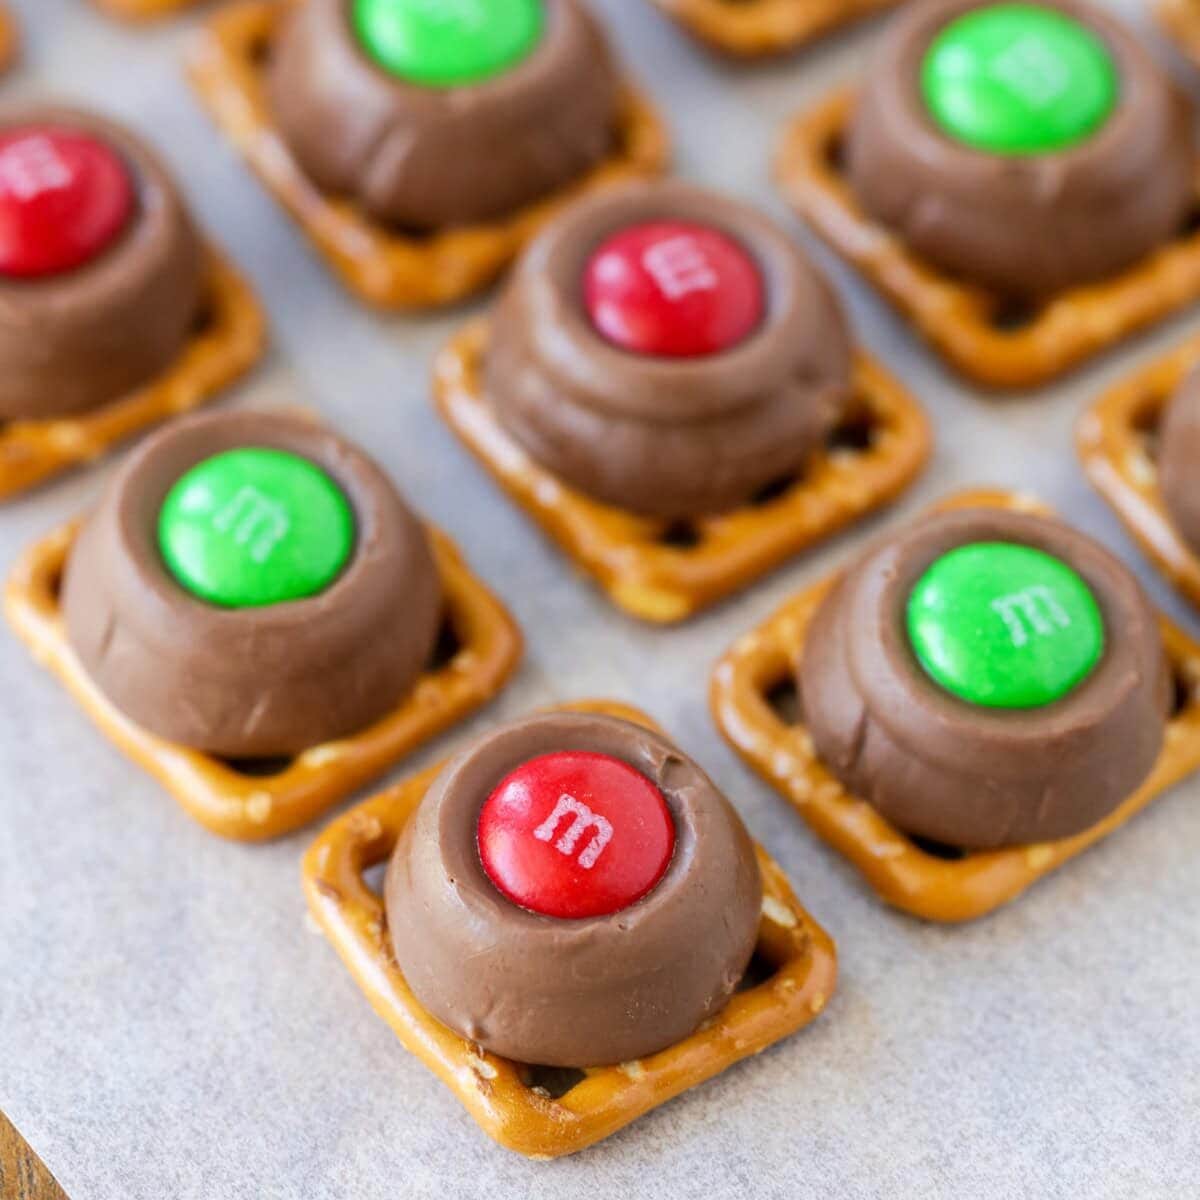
(668, 351)
(1024, 147)
(434, 114)
(585, 894)
(990, 678)
(101, 268)
(1017, 178)
(114, 312)
(662, 387)
(251, 586)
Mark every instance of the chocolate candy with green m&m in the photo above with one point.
(1002, 625)
(255, 526)
(1019, 79)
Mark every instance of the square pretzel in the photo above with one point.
(758, 28)
(1117, 441)
(504, 1097)
(227, 341)
(1181, 20)
(10, 38)
(243, 803)
(380, 264)
(976, 331)
(907, 874)
(143, 10)
(667, 571)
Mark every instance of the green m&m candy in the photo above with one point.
(1003, 625)
(447, 43)
(255, 526)
(1018, 79)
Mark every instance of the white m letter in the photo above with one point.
(584, 819)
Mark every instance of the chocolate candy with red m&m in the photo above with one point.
(585, 894)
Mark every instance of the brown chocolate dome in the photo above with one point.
(250, 682)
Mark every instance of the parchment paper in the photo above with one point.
(170, 1026)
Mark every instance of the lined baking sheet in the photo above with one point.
(170, 1026)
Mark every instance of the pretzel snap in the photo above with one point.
(757, 28)
(540, 1115)
(381, 265)
(228, 339)
(664, 571)
(974, 330)
(1117, 443)
(244, 804)
(746, 684)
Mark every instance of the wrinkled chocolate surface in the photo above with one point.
(78, 339)
(431, 158)
(1031, 225)
(666, 437)
(254, 682)
(560, 992)
(1179, 460)
(968, 776)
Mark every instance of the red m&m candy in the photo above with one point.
(673, 289)
(575, 834)
(64, 197)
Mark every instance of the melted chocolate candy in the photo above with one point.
(1101, 182)
(670, 436)
(965, 774)
(601, 988)
(256, 682)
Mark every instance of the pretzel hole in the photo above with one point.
(1010, 314)
(374, 875)
(448, 646)
(759, 970)
(1182, 692)
(551, 1082)
(258, 768)
(258, 52)
(783, 699)
(1191, 223)
(835, 154)
(680, 535)
(204, 320)
(1146, 424)
(856, 432)
(774, 490)
(937, 849)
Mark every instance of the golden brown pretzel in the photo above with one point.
(252, 807)
(900, 871)
(755, 28)
(972, 329)
(1116, 440)
(380, 265)
(505, 1097)
(643, 564)
(228, 340)
(142, 10)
